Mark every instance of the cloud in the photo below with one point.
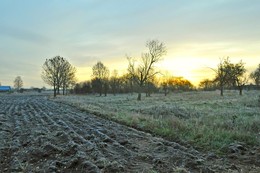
(23, 35)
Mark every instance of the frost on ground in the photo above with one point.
(39, 135)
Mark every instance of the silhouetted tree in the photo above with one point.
(126, 84)
(83, 87)
(207, 85)
(97, 85)
(165, 87)
(179, 84)
(231, 75)
(150, 87)
(86, 87)
(68, 78)
(18, 83)
(105, 86)
(100, 78)
(238, 75)
(255, 75)
(77, 88)
(146, 70)
(114, 82)
(223, 74)
(58, 72)
(165, 82)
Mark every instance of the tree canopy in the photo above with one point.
(230, 74)
(100, 74)
(59, 73)
(18, 83)
(255, 75)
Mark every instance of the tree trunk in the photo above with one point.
(63, 90)
(165, 92)
(54, 93)
(139, 96)
(240, 90)
(221, 90)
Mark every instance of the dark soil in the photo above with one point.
(39, 135)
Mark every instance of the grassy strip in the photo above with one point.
(203, 119)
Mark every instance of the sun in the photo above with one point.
(178, 67)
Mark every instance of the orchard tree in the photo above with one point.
(241, 81)
(255, 75)
(145, 69)
(238, 76)
(18, 83)
(232, 75)
(100, 74)
(223, 74)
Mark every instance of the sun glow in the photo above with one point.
(189, 68)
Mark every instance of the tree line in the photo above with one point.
(116, 84)
(230, 75)
(142, 76)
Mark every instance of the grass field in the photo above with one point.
(203, 119)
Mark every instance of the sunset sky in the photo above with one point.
(197, 33)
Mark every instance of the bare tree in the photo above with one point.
(146, 69)
(51, 71)
(100, 77)
(18, 83)
(238, 76)
(255, 75)
(58, 72)
(222, 74)
(68, 78)
(229, 74)
(241, 82)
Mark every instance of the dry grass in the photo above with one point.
(204, 119)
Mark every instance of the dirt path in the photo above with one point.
(38, 135)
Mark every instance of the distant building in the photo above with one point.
(5, 88)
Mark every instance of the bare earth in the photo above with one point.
(39, 135)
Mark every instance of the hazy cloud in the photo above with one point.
(23, 34)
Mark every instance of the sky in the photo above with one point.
(197, 34)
